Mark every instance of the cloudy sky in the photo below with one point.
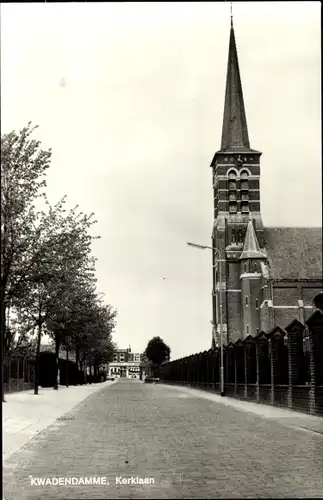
(130, 98)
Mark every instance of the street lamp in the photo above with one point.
(216, 252)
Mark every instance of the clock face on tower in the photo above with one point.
(239, 161)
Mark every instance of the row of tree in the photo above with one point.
(156, 353)
(48, 282)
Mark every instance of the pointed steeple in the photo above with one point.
(251, 249)
(234, 131)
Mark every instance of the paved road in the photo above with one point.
(189, 446)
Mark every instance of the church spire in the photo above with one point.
(234, 131)
(251, 249)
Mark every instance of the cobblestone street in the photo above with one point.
(191, 446)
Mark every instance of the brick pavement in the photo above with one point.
(24, 415)
(191, 446)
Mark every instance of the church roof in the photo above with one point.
(251, 249)
(294, 252)
(234, 131)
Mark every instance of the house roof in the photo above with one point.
(51, 348)
(294, 252)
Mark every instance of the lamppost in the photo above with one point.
(218, 262)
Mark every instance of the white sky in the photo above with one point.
(130, 98)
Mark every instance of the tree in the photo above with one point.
(47, 270)
(145, 365)
(23, 168)
(84, 326)
(157, 351)
(62, 265)
(92, 339)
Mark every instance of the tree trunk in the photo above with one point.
(18, 371)
(2, 299)
(57, 345)
(9, 372)
(2, 334)
(77, 358)
(23, 372)
(66, 366)
(37, 367)
(85, 371)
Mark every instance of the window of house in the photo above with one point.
(246, 301)
(256, 303)
(232, 185)
(245, 267)
(232, 207)
(247, 328)
(232, 196)
(244, 196)
(244, 207)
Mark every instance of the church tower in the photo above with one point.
(236, 188)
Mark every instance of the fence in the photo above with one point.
(282, 367)
(18, 373)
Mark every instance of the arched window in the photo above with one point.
(244, 180)
(232, 192)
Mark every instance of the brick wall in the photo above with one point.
(234, 316)
(283, 317)
(308, 294)
(285, 296)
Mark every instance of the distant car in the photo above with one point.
(151, 380)
(110, 378)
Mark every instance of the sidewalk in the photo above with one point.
(24, 415)
(286, 417)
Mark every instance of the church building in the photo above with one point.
(269, 275)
